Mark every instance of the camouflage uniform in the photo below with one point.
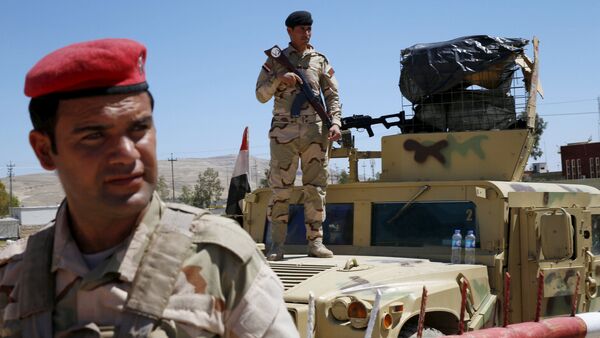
(215, 293)
(303, 137)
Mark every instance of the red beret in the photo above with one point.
(106, 66)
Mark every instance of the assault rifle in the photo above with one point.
(366, 121)
(307, 94)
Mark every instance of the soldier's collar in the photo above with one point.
(309, 48)
(125, 261)
(66, 253)
(132, 255)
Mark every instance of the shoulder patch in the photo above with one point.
(330, 72)
(224, 232)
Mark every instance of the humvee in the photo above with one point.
(393, 235)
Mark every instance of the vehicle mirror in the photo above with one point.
(556, 235)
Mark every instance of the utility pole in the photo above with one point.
(598, 118)
(373, 169)
(10, 167)
(364, 173)
(330, 175)
(171, 159)
(255, 173)
(335, 173)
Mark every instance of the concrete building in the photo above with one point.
(580, 160)
(539, 167)
(34, 216)
(9, 228)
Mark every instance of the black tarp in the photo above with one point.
(434, 68)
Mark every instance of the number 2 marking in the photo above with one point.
(469, 215)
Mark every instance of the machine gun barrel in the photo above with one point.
(366, 121)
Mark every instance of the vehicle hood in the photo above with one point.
(396, 277)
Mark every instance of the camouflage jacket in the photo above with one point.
(215, 293)
(317, 71)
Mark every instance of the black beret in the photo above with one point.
(299, 18)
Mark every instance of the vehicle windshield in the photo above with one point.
(421, 223)
(418, 225)
(337, 227)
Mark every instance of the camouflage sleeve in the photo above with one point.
(223, 284)
(250, 317)
(329, 86)
(267, 82)
(10, 270)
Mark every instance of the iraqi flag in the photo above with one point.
(239, 185)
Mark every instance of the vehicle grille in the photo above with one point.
(292, 275)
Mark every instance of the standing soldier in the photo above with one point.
(117, 261)
(297, 132)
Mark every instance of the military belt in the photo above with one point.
(302, 119)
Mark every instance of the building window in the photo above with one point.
(578, 168)
(573, 172)
(568, 168)
(597, 166)
(592, 165)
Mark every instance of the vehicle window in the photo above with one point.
(421, 223)
(596, 234)
(337, 228)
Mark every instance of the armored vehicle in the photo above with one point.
(457, 164)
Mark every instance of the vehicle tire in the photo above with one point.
(410, 331)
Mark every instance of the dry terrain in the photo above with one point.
(44, 189)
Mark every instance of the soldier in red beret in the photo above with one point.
(117, 261)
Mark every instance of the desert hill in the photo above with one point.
(44, 189)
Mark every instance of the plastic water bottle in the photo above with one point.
(470, 248)
(456, 247)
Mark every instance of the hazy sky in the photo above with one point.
(204, 58)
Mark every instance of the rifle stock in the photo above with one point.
(277, 54)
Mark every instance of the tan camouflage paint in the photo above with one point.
(298, 138)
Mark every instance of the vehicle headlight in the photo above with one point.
(339, 308)
(358, 312)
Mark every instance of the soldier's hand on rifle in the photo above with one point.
(290, 79)
(334, 133)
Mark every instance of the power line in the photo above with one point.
(563, 102)
(200, 151)
(564, 114)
